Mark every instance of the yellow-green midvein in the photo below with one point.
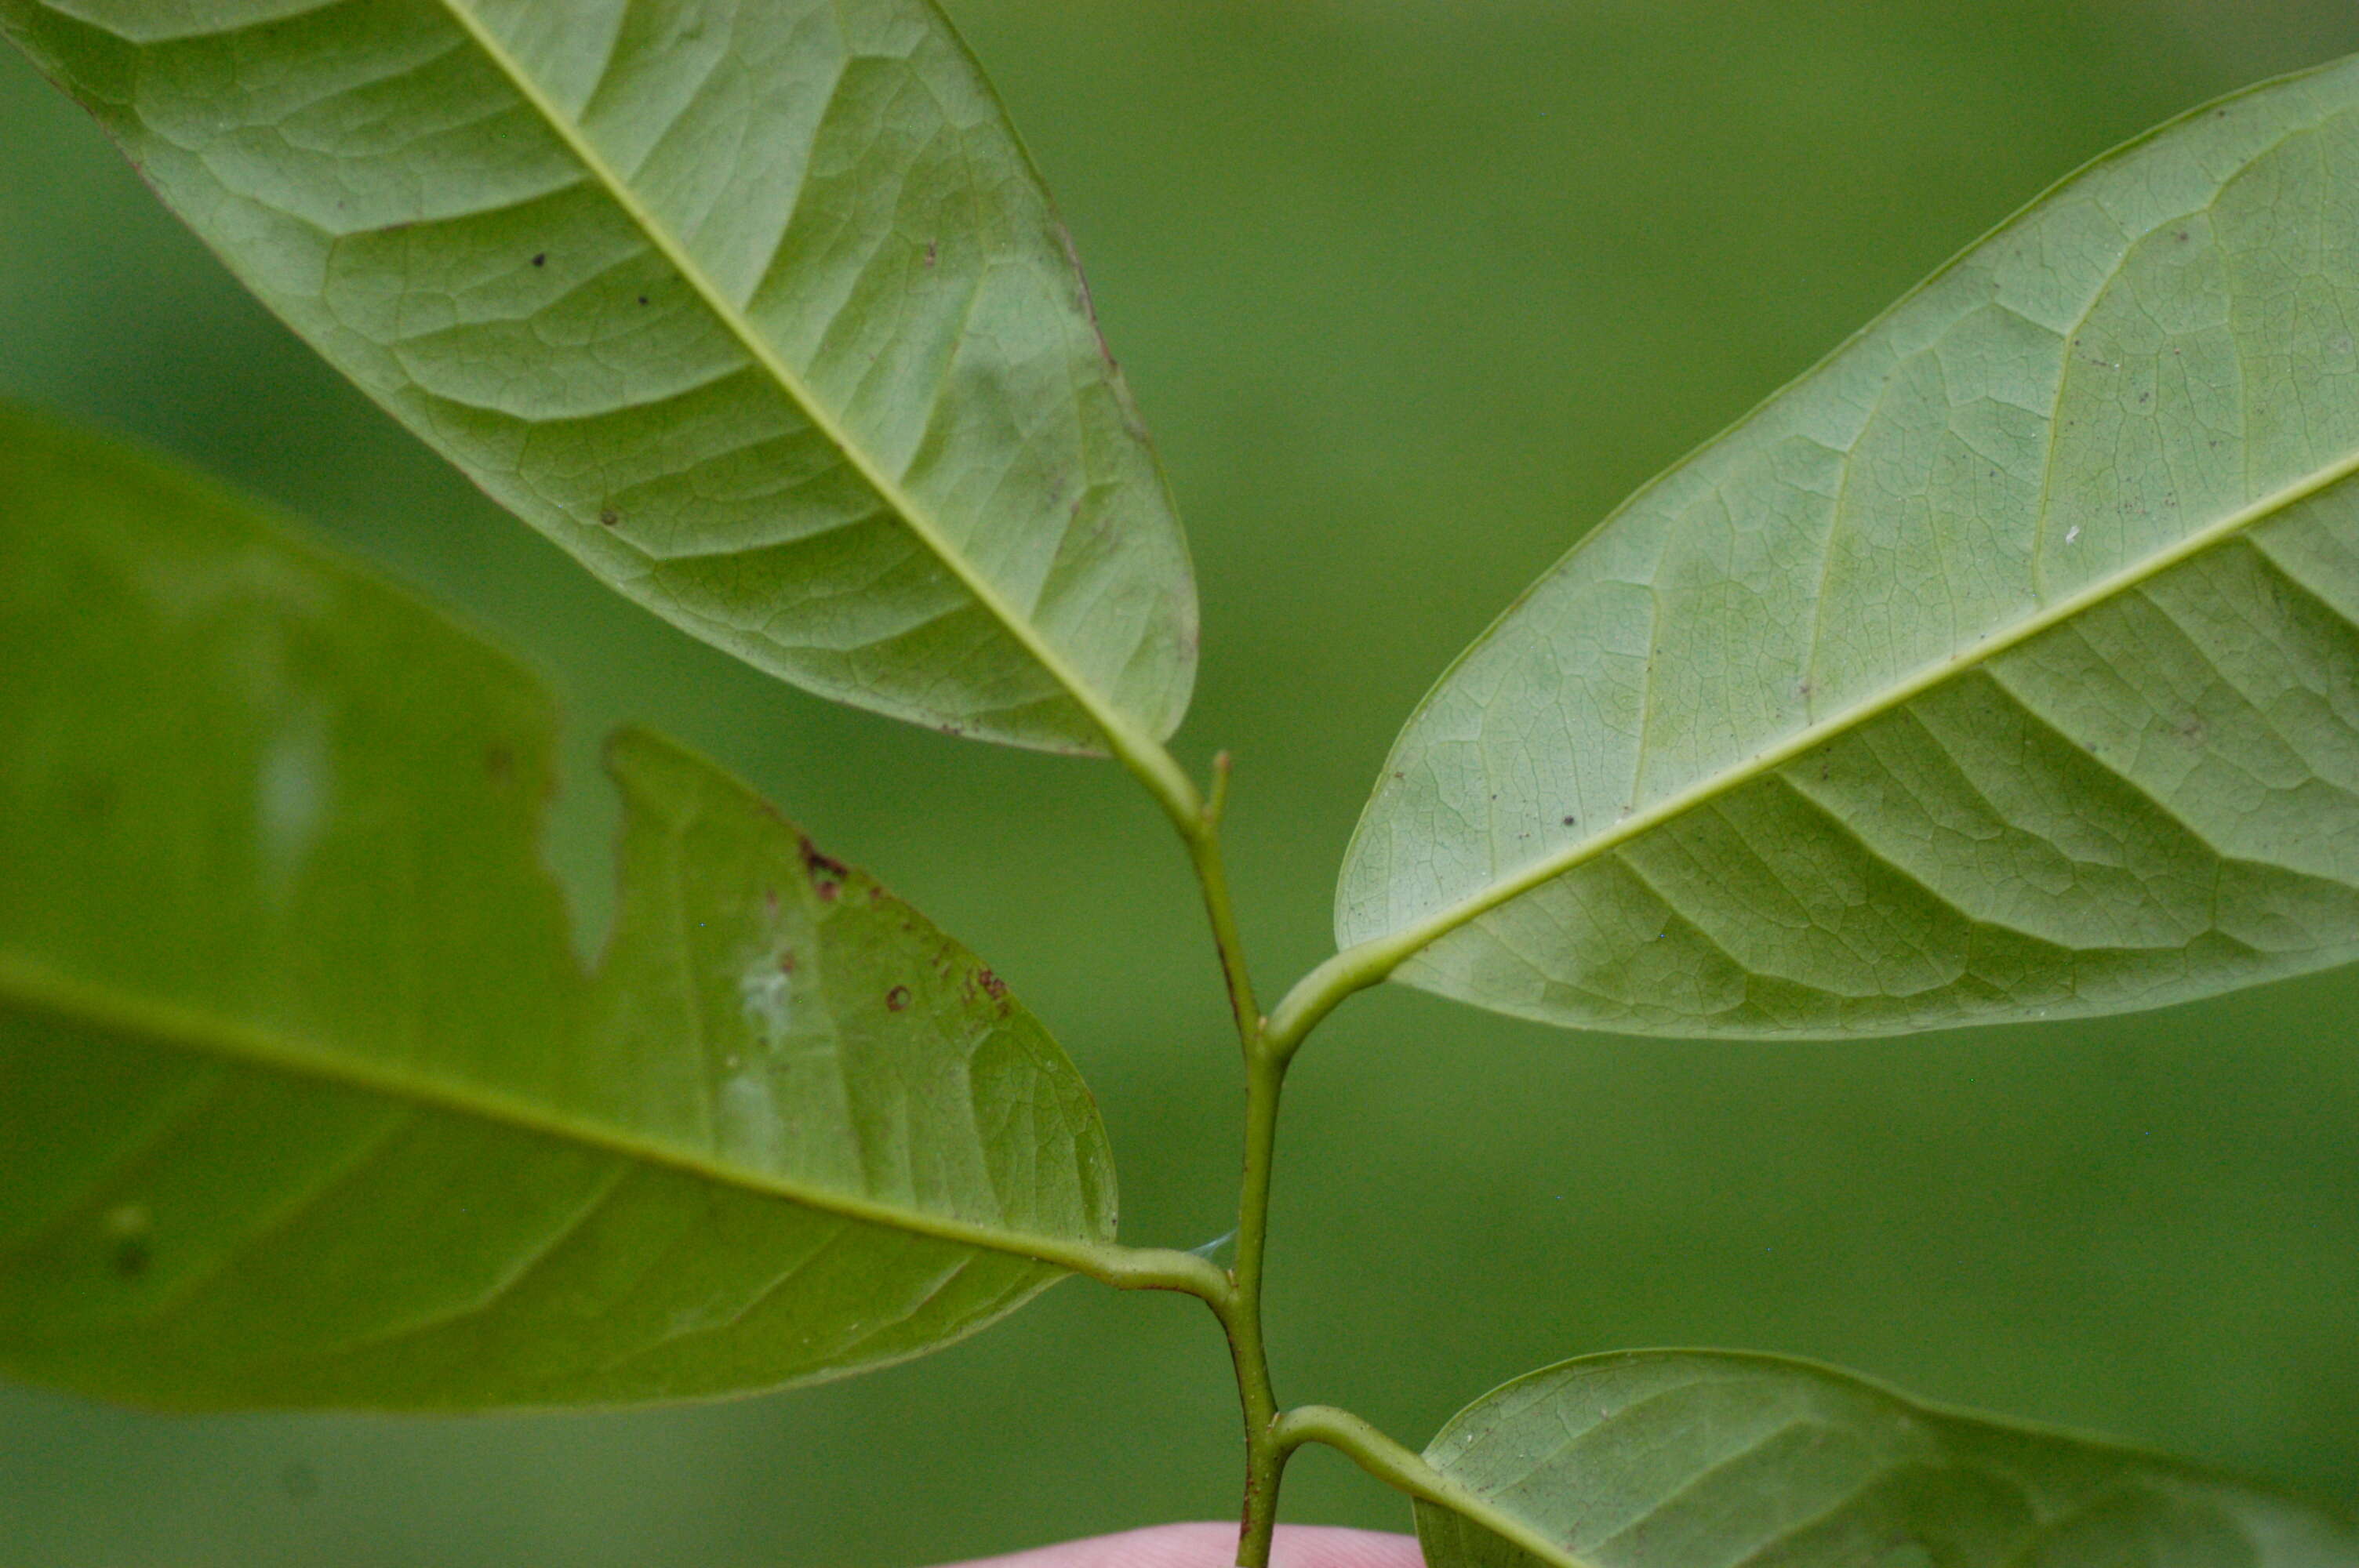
(36, 987)
(1141, 754)
(1364, 963)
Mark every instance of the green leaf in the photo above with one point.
(306, 1098)
(760, 311)
(1676, 1459)
(2006, 664)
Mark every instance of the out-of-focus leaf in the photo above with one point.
(758, 309)
(2007, 665)
(305, 1097)
(1678, 1459)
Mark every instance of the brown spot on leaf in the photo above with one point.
(898, 999)
(991, 984)
(785, 963)
(540, 259)
(828, 875)
(932, 253)
(499, 762)
(1082, 283)
(132, 1257)
(609, 517)
(817, 863)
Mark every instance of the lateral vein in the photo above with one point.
(1123, 739)
(1383, 954)
(36, 987)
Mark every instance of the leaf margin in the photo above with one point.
(1362, 962)
(1450, 1493)
(1137, 746)
(39, 992)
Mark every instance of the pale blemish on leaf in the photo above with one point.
(293, 791)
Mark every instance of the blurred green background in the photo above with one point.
(1412, 291)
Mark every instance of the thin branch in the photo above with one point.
(1265, 1456)
(1211, 873)
(1324, 989)
(1238, 1304)
(1404, 1471)
(1155, 1269)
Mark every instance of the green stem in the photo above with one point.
(1237, 1299)
(1405, 1471)
(1264, 1455)
(1204, 853)
(1238, 1304)
(1264, 1078)
(1236, 1295)
(1162, 777)
(1324, 989)
(1371, 1450)
(1150, 1269)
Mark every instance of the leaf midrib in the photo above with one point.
(1120, 736)
(1381, 954)
(36, 987)
(1446, 1491)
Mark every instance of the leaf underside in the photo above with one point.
(757, 309)
(305, 1098)
(1674, 1459)
(2006, 664)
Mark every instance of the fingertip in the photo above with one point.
(1330, 1546)
(1214, 1545)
